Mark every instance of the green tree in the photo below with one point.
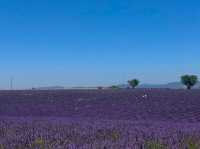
(133, 83)
(189, 80)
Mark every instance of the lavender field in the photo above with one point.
(100, 119)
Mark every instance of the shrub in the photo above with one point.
(133, 83)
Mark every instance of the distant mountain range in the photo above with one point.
(49, 88)
(62, 88)
(172, 85)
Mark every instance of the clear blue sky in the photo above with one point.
(97, 42)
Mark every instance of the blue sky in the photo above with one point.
(97, 42)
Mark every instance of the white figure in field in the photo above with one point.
(145, 96)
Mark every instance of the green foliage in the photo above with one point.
(133, 83)
(193, 145)
(38, 143)
(192, 142)
(189, 80)
(154, 145)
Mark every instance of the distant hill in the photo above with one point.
(49, 88)
(83, 87)
(172, 85)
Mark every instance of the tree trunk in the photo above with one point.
(189, 87)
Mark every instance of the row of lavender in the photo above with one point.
(62, 133)
(139, 104)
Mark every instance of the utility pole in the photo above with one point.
(11, 83)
